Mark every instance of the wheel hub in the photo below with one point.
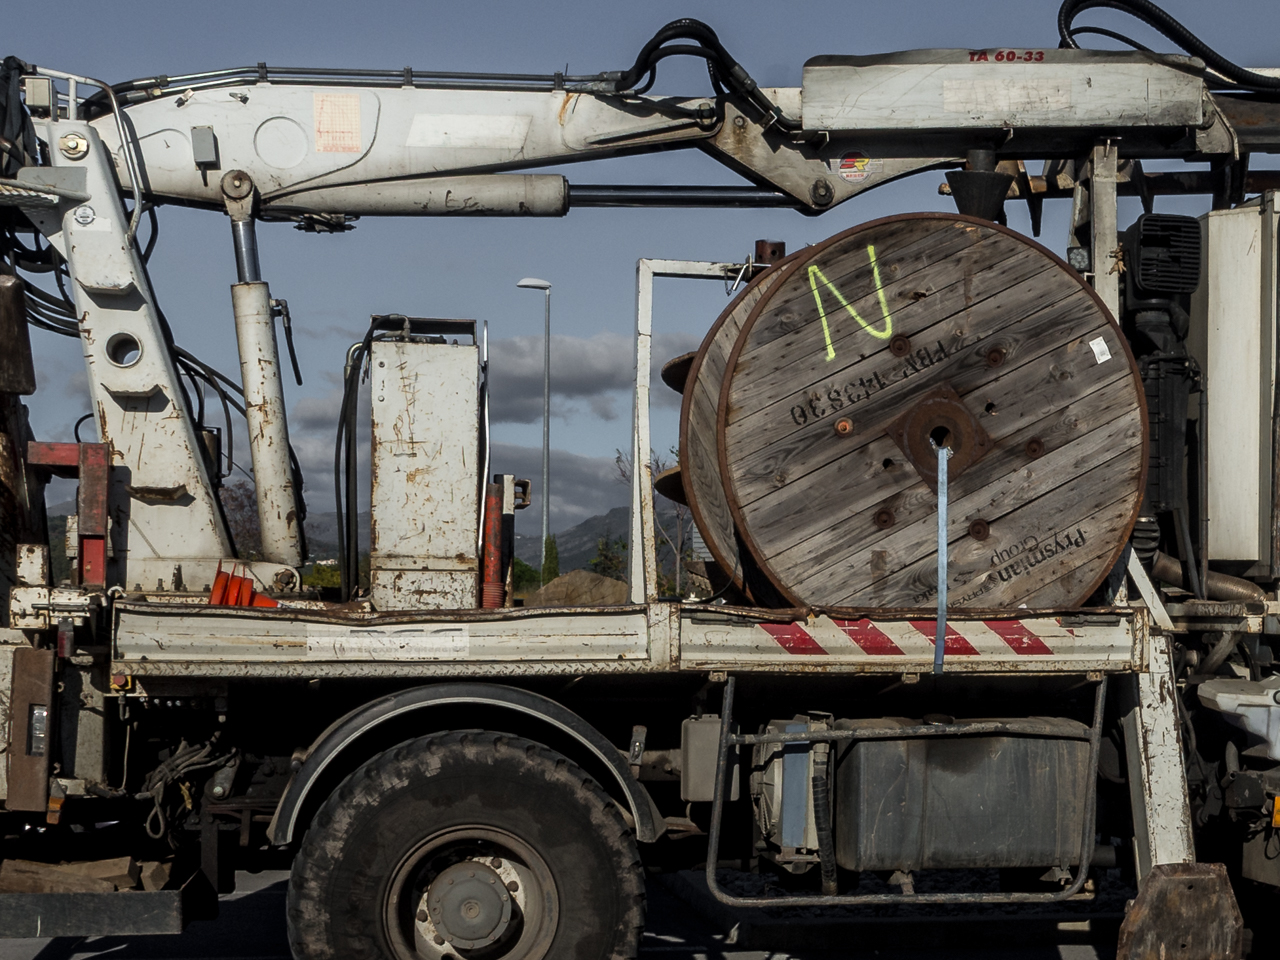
(469, 904)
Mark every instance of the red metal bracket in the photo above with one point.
(91, 463)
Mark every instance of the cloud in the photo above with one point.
(593, 372)
(598, 371)
(581, 487)
(313, 426)
(61, 380)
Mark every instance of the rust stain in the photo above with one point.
(569, 98)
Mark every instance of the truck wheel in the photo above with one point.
(470, 844)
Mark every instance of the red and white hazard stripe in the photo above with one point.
(905, 638)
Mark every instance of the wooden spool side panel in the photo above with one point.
(805, 440)
(939, 325)
(806, 498)
(876, 477)
(1021, 515)
(699, 463)
(914, 266)
(1066, 557)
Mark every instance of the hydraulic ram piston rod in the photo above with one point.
(268, 429)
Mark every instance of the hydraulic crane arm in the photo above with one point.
(323, 145)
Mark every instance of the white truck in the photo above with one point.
(993, 600)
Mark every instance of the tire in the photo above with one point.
(467, 844)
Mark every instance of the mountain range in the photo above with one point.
(577, 546)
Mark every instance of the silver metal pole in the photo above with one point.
(546, 439)
(940, 634)
(245, 238)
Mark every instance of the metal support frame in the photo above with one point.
(161, 492)
(1156, 771)
(643, 576)
(1103, 230)
(125, 914)
(728, 739)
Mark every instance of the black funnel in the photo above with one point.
(979, 193)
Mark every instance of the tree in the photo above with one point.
(611, 557)
(523, 576)
(322, 575)
(551, 565)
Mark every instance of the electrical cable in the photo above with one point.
(1163, 23)
(75, 431)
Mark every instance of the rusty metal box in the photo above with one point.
(426, 473)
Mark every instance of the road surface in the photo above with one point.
(251, 927)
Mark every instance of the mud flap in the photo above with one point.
(1183, 910)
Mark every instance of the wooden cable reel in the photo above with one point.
(811, 410)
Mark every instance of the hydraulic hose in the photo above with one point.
(724, 68)
(1159, 20)
(826, 843)
(1218, 655)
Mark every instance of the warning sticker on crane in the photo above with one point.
(337, 122)
(857, 166)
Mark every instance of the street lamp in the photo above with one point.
(531, 283)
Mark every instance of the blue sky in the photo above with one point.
(461, 268)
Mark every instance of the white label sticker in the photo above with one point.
(337, 117)
(1100, 349)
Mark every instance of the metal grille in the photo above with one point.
(1168, 253)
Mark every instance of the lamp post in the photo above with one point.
(531, 283)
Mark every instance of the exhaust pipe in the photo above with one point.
(1220, 586)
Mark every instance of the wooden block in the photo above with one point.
(154, 875)
(24, 876)
(121, 872)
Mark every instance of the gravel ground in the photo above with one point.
(251, 927)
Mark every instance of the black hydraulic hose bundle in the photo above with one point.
(16, 130)
(1159, 20)
(726, 72)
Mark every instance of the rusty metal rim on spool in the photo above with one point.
(732, 569)
(726, 476)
